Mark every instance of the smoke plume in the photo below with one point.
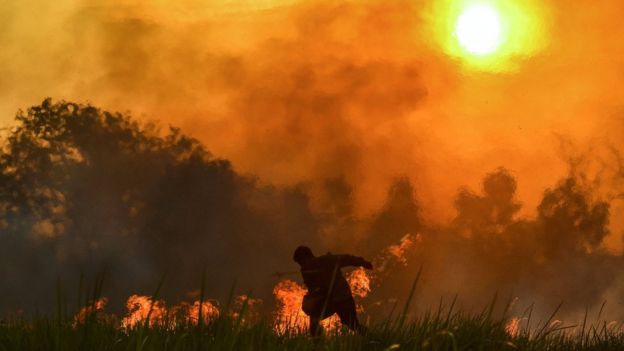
(341, 125)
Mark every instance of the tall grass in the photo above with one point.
(443, 328)
(435, 330)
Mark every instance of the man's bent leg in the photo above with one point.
(312, 306)
(314, 326)
(348, 316)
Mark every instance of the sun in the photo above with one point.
(479, 30)
(488, 35)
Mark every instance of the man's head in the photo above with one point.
(302, 254)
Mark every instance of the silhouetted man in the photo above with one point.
(328, 290)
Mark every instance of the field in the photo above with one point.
(439, 330)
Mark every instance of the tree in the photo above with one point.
(82, 189)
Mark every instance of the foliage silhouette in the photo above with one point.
(82, 189)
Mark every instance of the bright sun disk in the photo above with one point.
(478, 30)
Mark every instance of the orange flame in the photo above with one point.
(359, 282)
(96, 308)
(394, 254)
(398, 250)
(332, 323)
(513, 327)
(139, 308)
(248, 306)
(289, 296)
(289, 316)
(208, 312)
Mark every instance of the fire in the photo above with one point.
(394, 255)
(208, 312)
(513, 327)
(289, 296)
(139, 308)
(359, 282)
(289, 316)
(332, 323)
(398, 250)
(248, 306)
(185, 312)
(93, 309)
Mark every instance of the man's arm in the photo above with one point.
(349, 260)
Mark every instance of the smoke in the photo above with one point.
(557, 257)
(344, 125)
(86, 191)
(359, 90)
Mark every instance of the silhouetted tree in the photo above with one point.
(82, 189)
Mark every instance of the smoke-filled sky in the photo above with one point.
(293, 90)
(296, 92)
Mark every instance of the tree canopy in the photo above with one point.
(83, 189)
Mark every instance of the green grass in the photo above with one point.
(445, 328)
(441, 330)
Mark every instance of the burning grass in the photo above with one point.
(289, 296)
(442, 329)
(150, 324)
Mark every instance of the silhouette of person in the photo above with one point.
(328, 290)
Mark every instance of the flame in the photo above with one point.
(250, 306)
(208, 312)
(331, 324)
(394, 255)
(359, 282)
(139, 308)
(95, 308)
(184, 312)
(289, 295)
(398, 250)
(513, 327)
(289, 316)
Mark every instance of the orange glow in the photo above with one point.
(95, 309)
(398, 250)
(289, 317)
(139, 307)
(208, 312)
(473, 122)
(289, 296)
(248, 306)
(513, 327)
(359, 281)
(302, 94)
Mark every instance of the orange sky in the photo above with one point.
(296, 91)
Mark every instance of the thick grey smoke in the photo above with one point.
(84, 191)
(558, 257)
